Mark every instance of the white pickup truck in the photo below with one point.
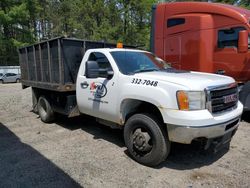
(154, 103)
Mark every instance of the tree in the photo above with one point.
(15, 29)
(24, 22)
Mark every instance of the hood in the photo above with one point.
(191, 80)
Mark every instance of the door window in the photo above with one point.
(229, 37)
(102, 61)
(10, 74)
(175, 21)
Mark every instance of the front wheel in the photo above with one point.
(44, 110)
(17, 80)
(146, 140)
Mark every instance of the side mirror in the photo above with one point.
(92, 69)
(243, 41)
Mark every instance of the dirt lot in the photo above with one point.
(79, 152)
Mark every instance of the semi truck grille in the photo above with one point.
(222, 98)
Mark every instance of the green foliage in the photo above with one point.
(24, 22)
(15, 29)
(245, 4)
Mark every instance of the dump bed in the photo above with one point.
(54, 64)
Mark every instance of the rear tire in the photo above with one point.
(146, 139)
(44, 110)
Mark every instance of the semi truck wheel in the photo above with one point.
(44, 110)
(146, 140)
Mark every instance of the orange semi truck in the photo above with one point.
(206, 37)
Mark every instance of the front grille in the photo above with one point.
(223, 98)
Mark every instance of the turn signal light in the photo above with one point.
(182, 100)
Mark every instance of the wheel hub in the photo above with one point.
(141, 140)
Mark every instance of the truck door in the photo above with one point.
(172, 51)
(174, 30)
(13, 77)
(97, 97)
(227, 59)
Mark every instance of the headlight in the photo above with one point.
(191, 100)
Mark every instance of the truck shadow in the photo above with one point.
(89, 125)
(23, 166)
(246, 116)
(184, 157)
(181, 157)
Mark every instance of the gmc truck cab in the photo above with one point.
(155, 103)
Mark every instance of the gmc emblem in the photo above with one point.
(230, 98)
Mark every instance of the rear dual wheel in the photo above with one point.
(146, 139)
(44, 110)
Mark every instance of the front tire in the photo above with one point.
(18, 80)
(146, 139)
(44, 110)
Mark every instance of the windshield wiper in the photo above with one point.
(146, 70)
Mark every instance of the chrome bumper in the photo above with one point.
(186, 134)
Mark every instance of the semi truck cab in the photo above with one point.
(206, 37)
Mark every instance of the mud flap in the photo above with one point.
(225, 142)
(217, 144)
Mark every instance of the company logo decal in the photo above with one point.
(98, 89)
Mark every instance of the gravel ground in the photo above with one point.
(78, 152)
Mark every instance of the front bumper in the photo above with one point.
(186, 126)
(186, 134)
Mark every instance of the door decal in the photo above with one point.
(98, 89)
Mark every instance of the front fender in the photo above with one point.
(154, 95)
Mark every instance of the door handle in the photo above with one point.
(84, 85)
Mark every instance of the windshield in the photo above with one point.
(131, 62)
